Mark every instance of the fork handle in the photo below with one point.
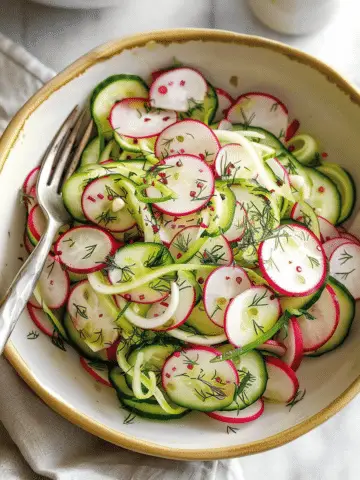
(24, 283)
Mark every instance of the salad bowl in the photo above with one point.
(327, 106)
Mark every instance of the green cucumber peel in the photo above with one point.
(57, 324)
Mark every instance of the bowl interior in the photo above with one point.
(324, 108)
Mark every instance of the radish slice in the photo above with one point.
(221, 286)
(98, 370)
(273, 346)
(189, 378)
(350, 236)
(279, 171)
(178, 89)
(36, 222)
(93, 315)
(135, 118)
(54, 283)
(304, 213)
(260, 110)
(331, 245)
(192, 181)
(225, 101)
(318, 330)
(104, 203)
(111, 351)
(248, 414)
(282, 382)
(225, 125)
(292, 129)
(188, 137)
(30, 180)
(292, 338)
(170, 225)
(29, 247)
(185, 306)
(157, 320)
(251, 314)
(85, 249)
(238, 226)
(344, 266)
(327, 229)
(293, 261)
(41, 320)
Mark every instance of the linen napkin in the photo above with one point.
(35, 442)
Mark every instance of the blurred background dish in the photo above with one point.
(79, 3)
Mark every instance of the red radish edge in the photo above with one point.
(337, 312)
(286, 292)
(31, 223)
(29, 247)
(207, 349)
(158, 205)
(296, 338)
(100, 266)
(27, 185)
(111, 351)
(273, 346)
(288, 371)
(261, 94)
(176, 325)
(221, 416)
(32, 312)
(93, 373)
(292, 130)
(350, 236)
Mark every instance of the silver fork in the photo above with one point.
(57, 165)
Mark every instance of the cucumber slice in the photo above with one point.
(192, 381)
(129, 155)
(301, 302)
(305, 148)
(76, 340)
(302, 212)
(222, 209)
(199, 322)
(345, 185)
(325, 197)
(204, 112)
(117, 379)
(250, 315)
(150, 410)
(155, 356)
(136, 260)
(91, 154)
(108, 92)
(347, 314)
(252, 380)
(110, 153)
(127, 143)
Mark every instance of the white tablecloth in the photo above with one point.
(37, 443)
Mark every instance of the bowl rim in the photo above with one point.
(9, 138)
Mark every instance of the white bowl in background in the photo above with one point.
(327, 106)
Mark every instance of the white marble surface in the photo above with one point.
(57, 37)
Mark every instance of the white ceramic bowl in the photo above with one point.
(327, 106)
